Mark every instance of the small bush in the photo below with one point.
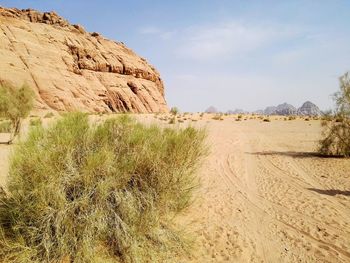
(218, 117)
(5, 127)
(101, 193)
(172, 120)
(174, 111)
(49, 115)
(266, 120)
(15, 105)
(291, 118)
(35, 122)
(336, 134)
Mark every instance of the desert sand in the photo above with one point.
(265, 196)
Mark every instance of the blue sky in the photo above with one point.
(230, 54)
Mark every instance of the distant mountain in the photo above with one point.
(270, 110)
(309, 109)
(285, 109)
(211, 109)
(236, 111)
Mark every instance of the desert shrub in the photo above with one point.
(15, 105)
(174, 110)
(336, 134)
(291, 118)
(5, 126)
(266, 120)
(49, 115)
(106, 192)
(35, 122)
(218, 117)
(172, 120)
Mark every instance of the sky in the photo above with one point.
(226, 53)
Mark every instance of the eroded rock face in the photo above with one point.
(71, 69)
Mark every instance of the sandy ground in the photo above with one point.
(265, 197)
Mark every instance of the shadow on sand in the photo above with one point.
(331, 192)
(295, 154)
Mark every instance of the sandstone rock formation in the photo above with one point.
(285, 109)
(71, 69)
(309, 109)
(270, 110)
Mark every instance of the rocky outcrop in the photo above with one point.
(71, 69)
(270, 110)
(309, 109)
(285, 109)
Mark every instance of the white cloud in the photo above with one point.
(228, 39)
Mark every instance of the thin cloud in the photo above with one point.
(225, 40)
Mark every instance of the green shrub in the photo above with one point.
(49, 115)
(98, 193)
(35, 122)
(15, 105)
(218, 117)
(172, 120)
(336, 134)
(5, 126)
(174, 110)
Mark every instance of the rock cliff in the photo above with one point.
(71, 69)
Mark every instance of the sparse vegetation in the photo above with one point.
(266, 120)
(172, 120)
(336, 134)
(5, 126)
(174, 111)
(15, 105)
(101, 193)
(35, 122)
(49, 115)
(218, 117)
